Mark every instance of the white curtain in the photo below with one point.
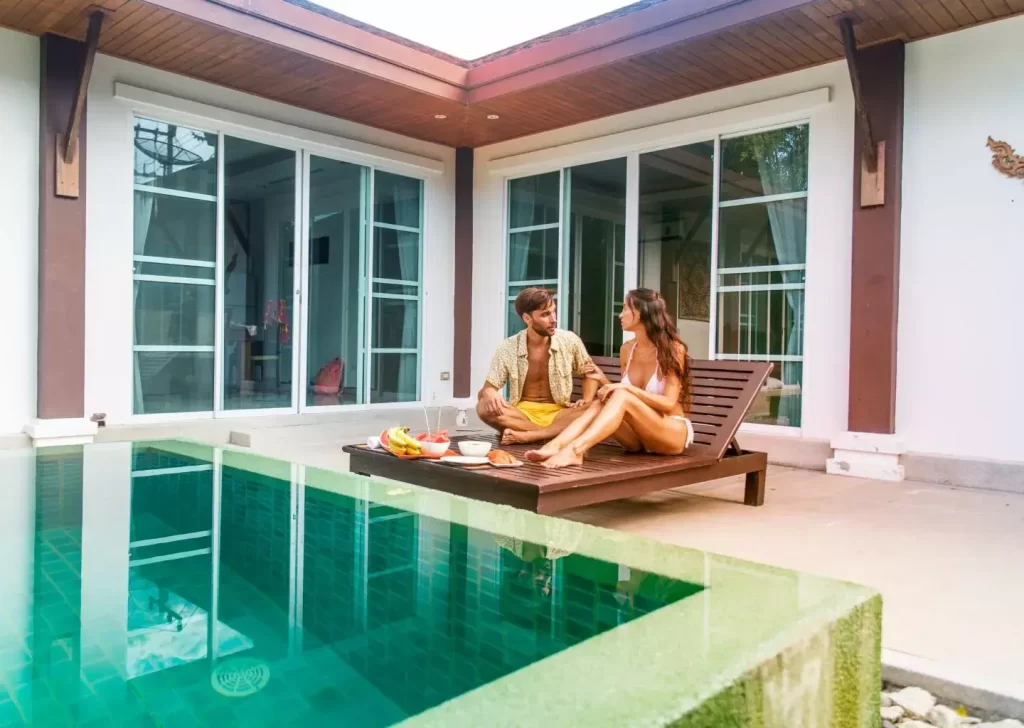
(145, 205)
(788, 220)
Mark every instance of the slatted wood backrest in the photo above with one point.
(723, 392)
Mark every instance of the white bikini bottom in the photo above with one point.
(689, 428)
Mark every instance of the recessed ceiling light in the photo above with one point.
(440, 116)
(492, 116)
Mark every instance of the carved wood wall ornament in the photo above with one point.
(1006, 160)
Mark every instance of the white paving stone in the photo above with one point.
(893, 713)
(915, 701)
(942, 716)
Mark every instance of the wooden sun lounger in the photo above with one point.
(722, 394)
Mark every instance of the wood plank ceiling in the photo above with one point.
(804, 36)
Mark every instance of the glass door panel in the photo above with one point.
(596, 201)
(335, 282)
(174, 265)
(396, 288)
(258, 260)
(676, 198)
(533, 238)
(762, 261)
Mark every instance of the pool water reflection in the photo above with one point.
(144, 587)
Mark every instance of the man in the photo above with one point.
(538, 364)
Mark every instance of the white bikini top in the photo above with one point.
(655, 385)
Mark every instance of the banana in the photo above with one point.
(412, 446)
(400, 442)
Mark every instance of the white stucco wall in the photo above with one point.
(108, 367)
(827, 341)
(19, 235)
(961, 349)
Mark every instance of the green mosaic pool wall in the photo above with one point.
(524, 620)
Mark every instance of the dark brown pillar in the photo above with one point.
(876, 247)
(461, 384)
(61, 363)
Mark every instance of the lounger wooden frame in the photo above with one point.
(722, 394)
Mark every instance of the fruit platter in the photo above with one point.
(400, 443)
(436, 445)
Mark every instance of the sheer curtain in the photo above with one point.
(788, 220)
(143, 215)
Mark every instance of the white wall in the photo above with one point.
(827, 340)
(960, 355)
(108, 368)
(19, 234)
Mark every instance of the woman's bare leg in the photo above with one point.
(570, 433)
(627, 438)
(656, 432)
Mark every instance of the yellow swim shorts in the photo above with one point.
(541, 414)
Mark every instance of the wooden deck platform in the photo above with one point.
(722, 394)
(609, 473)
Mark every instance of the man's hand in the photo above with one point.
(492, 403)
(580, 404)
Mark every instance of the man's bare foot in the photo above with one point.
(542, 454)
(512, 437)
(565, 458)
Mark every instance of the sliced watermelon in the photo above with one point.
(385, 442)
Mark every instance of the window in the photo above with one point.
(396, 288)
(595, 247)
(228, 233)
(721, 234)
(761, 266)
(260, 186)
(579, 256)
(175, 259)
(534, 215)
(675, 237)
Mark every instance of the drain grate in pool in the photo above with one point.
(241, 676)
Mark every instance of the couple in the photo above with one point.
(538, 365)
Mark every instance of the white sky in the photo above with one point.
(471, 28)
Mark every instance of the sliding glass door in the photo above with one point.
(363, 274)
(270, 280)
(396, 295)
(534, 244)
(676, 204)
(335, 255)
(567, 233)
(595, 245)
(174, 264)
(721, 233)
(762, 256)
(258, 275)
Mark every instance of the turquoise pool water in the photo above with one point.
(143, 587)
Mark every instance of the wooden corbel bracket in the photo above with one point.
(67, 143)
(872, 157)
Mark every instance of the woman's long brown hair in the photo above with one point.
(661, 330)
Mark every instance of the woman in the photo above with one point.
(645, 411)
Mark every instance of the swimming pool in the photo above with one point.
(175, 584)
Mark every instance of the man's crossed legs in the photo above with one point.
(517, 427)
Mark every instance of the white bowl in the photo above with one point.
(474, 448)
(435, 448)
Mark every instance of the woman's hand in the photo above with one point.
(592, 371)
(606, 391)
